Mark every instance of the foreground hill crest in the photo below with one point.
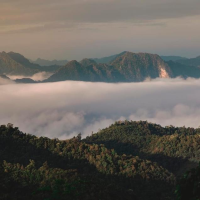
(117, 162)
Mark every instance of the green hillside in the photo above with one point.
(128, 160)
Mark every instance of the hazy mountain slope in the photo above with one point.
(43, 62)
(72, 71)
(108, 59)
(124, 67)
(11, 67)
(26, 63)
(128, 67)
(138, 67)
(191, 61)
(89, 71)
(183, 70)
(22, 60)
(87, 62)
(173, 58)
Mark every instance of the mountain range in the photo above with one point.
(44, 62)
(123, 67)
(173, 58)
(16, 64)
(191, 61)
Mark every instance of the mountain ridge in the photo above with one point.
(44, 62)
(124, 67)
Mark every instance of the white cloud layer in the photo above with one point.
(4, 81)
(64, 109)
(40, 76)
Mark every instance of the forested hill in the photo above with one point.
(128, 160)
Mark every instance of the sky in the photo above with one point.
(76, 29)
(64, 109)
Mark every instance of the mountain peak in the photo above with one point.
(135, 58)
(86, 62)
(44, 62)
(139, 66)
(72, 62)
(19, 58)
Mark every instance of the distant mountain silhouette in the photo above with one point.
(16, 64)
(173, 58)
(184, 71)
(44, 62)
(78, 72)
(192, 61)
(108, 59)
(126, 67)
(10, 66)
(123, 67)
(25, 80)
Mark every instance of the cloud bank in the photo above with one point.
(4, 81)
(40, 76)
(64, 109)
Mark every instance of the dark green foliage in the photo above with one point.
(188, 187)
(128, 160)
(75, 169)
(173, 148)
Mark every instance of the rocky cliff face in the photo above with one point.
(127, 67)
(137, 67)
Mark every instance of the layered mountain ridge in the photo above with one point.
(16, 64)
(123, 67)
(126, 67)
(44, 62)
(10, 66)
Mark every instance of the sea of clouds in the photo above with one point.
(64, 109)
(40, 76)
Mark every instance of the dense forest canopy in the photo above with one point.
(128, 160)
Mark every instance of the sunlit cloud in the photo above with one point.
(40, 76)
(64, 109)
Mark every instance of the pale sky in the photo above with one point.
(75, 29)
